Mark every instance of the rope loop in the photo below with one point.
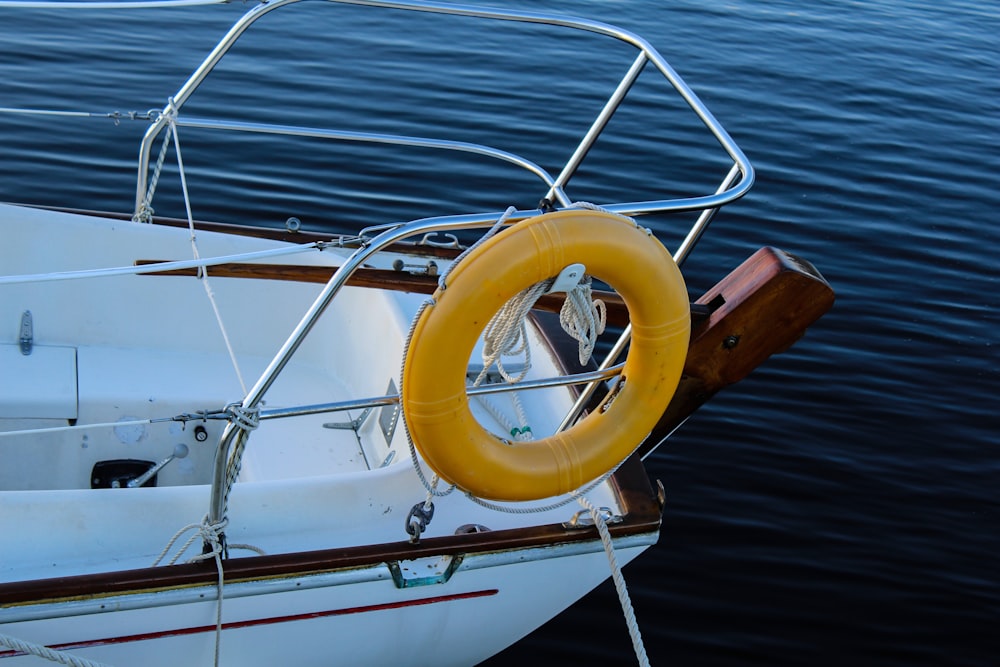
(584, 318)
(247, 419)
(144, 213)
(211, 535)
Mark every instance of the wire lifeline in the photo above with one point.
(113, 4)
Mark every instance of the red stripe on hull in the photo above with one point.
(259, 621)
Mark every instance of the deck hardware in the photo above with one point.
(546, 205)
(729, 342)
(451, 242)
(200, 433)
(388, 459)
(293, 224)
(416, 521)
(117, 473)
(180, 451)
(388, 416)
(424, 571)
(429, 269)
(583, 519)
(351, 425)
(568, 278)
(471, 529)
(27, 333)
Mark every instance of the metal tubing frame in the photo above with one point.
(647, 55)
(253, 398)
(730, 189)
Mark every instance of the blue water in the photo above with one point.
(839, 507)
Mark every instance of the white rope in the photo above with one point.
(497, 226)
(247, 420)
(78, 427)
(616, 575)
(429, 486)
(144, 212)
(534, 509)
(584, 318)
(581, 316)
(28, 648)
(159, 266)
(211, 535)
(522, 432)
(506, 334)
(202, 271)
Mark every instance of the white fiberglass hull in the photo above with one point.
(325, 500)
(357, 617)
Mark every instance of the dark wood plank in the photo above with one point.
(402, 281)
(758, 310)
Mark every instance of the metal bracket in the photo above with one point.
(416, 521)
(583, 518)
(568, 278)
(429, 269)
(27, 333)
(451, 241)
(424, 571)
(351, 425)
(388, 417)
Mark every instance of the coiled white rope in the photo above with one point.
(581, 316)
(584, 318)
(506, 334)
(62, 657)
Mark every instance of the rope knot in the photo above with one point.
(247, 419)
(213, 538)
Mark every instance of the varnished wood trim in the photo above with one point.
(372, 278)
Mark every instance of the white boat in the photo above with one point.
(256, 447)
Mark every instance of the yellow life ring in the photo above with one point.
(434, 401)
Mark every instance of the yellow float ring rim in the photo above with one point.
(434, 400)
